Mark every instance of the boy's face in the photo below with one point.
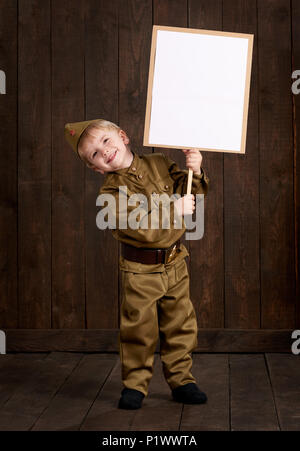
(106, 150)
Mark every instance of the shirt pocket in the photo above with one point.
(166, 184)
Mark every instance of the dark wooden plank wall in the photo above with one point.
(295, 15)
(8, 166)
(276, 166)
(34, 165)
(241, 196)
(74, 60)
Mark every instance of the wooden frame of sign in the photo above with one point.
(198, 89)
(186, 106)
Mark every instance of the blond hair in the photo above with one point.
(101, 124)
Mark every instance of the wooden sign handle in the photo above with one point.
(189, 183)
(190, 178)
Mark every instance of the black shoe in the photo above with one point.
(131, 399)
(189, 394)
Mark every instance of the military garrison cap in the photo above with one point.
(74, 130)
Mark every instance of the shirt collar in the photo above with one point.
(134, 168)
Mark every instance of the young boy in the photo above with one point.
(155, 280)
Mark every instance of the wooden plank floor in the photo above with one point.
(74, 391)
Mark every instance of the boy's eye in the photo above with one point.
(106, 139)
(95, 153)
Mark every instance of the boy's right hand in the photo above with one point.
(185, 205)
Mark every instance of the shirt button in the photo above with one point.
(134, 168)
(175, 221)
(166, 186)
(140, 176)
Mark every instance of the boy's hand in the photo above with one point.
(185, 205)
(193, 160)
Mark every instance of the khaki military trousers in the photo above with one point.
(156, 304)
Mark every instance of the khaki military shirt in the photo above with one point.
(152, 175)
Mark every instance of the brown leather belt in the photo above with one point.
(150, 256)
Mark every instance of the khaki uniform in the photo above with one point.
(155, 298)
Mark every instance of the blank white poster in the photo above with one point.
(198, 91)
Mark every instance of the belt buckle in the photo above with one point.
(170, 254)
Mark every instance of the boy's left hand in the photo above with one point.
(193, 159)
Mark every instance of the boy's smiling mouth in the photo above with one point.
(111, 158)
